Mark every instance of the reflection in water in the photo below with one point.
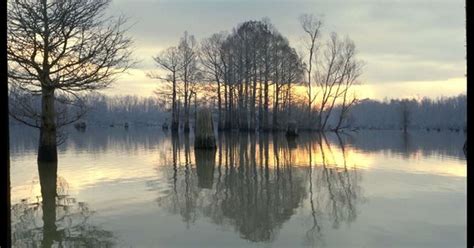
(205, 163)
(253, 189)
(334, 189)
(255, 186)
(253, 198)
(100, 140)
(55, 219)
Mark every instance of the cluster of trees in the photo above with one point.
(241, 68)
(252, 73)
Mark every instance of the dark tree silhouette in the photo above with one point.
(404, 114)
(58, 49)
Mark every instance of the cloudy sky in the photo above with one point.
(411, 48)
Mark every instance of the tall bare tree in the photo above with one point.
(169, 61)
(62, 47)
(211, 58)
(311, 26)
(187, 51)
(353, 71)
(336, 73)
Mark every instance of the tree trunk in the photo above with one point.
(252, 124)
(339, 122)
(47, 151)
(231, 109)
(174, 117)
(48, 177)
(260, 106)
(242, 109)
(227, 102)
(289, 101)
(275, 126)
(220, 121)
(195, 109)
(186, 106)
(464, 148)
(342, 116)
(266, 121)
(204, 133)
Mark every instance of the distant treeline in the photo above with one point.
(106, 110)
(109, 110)
(442, 113)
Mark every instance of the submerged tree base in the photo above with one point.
(292, 129)
(204, 133)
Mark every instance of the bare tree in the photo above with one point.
(169, 60)
(211, 57)
(328, 75)
(311, 26)
(62, 47)
(187, 51)
(336, 74)
(354, 70)
(182, 73)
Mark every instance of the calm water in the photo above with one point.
(145, 188)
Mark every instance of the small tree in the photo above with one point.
(405, 114)
(61, 48)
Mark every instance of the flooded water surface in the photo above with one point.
(144, 187)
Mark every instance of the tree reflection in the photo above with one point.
(336, 189)
(255, 183)
(205, 163)
(314, 233)
(182, 198)
(56, 219)
(253, 198)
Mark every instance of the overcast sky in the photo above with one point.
(411, 48)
